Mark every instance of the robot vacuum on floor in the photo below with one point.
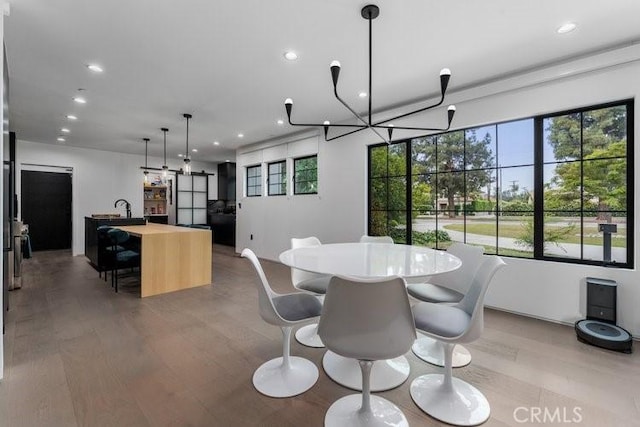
(599, 328)
(604, 335)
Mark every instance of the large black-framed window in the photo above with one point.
(277, 178)
(254, 181)
(305, 175)
(532, 188)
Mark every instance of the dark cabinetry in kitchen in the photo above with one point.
(227, 181)
(92, 249)
(222, 212)
(223, 227)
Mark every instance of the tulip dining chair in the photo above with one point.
(288, 375)
(445, 398)
(447, 288)
(315, 284)
(376, 239)
(367, 320)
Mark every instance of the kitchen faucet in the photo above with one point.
(126, 204)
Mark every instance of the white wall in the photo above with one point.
(547, 290)
(330, 215)
(99, 179)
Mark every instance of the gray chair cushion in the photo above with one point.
(433, 293)
(316, 285)
(298, 306)
(441, 320)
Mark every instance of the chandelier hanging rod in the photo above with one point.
(371, 12)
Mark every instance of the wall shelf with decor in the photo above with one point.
(155, 204)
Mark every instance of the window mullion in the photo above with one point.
(409, 194)
(538, 188)
(582, 186)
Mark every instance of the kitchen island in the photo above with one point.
(172, 258)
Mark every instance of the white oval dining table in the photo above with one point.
(369, 260)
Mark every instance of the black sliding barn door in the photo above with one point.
(46, 208)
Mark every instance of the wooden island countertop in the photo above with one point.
(172, 258)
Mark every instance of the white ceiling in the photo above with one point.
(223, 61)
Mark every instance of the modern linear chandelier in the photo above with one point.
(371, 12)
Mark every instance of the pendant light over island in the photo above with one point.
(187, 158)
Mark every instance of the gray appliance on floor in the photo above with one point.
(600, 327)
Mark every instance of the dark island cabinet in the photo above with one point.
(91, 248)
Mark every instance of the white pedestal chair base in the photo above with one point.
(385, 375)
(463, 405)
(308, 336)
(346, 412)
(432, 351)
(274, 380)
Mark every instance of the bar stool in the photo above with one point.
(124, 258)
(105, 250)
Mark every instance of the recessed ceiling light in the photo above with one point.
(216, 143)
(280, 122)
(80, 100)
(179, 155)
(566, 28)
(227, 161)
(195, 150)
(61, 139)
(291, 55)
(362, 94)
(65, 130)
(240, 135)
(95, 68)
(72, 117)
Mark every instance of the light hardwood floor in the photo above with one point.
(77, 354)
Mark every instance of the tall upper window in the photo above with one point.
(254, 181)
(535, 188)
(277, 178)
(388, 191)
(586, 183)
(305, 175)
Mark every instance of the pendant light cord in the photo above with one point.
(146, 148)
